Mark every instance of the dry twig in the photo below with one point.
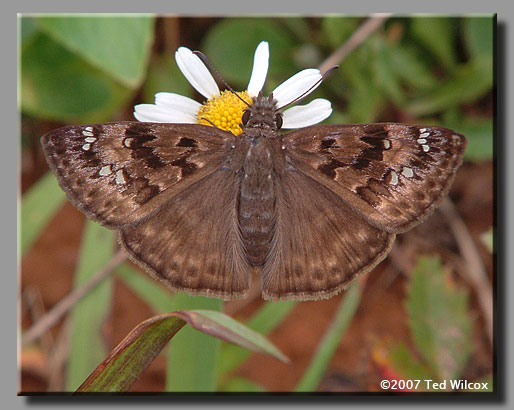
(357, 38)
(65, 304)
(475, 272)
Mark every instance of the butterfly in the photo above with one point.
(199, 208)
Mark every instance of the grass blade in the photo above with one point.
(87, 345)
(193, 352)
(330, 341)
(157, 297)
(269, 316)
(242, 385)
(135, 353)
(38, 206)
(232, 331)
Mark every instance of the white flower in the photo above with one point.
(175, 108)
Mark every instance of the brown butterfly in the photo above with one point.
(199, 208)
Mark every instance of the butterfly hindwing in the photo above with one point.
(320, 244)
(394, 175)
(193, 243)
(118, 173)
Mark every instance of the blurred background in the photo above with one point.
(424, 313)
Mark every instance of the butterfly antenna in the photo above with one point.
(206, 61)
(325, 75)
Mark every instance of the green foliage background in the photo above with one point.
(427, 70)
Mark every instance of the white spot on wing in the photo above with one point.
(421, 141)
(387, 144)
(86, 147)
(422, 129)
(88, 131)
(128, 142)
(407, 172)
(90, 139)
(120, 178)
(394, 178)
(424, 135)
(106, 170)
(425, 148)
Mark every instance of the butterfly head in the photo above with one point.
(262, 115)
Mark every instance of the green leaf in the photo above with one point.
(28, 28)
(232, 331)
(119, 46)
(230, 45)
(478, 131)
(467, 83)
(194, 353)
(38, 206)
(150, 291)
(407, 62)
(438, 35)
(240, 384)
(384, 75)
(58, 85)
(439, 319)
(363, 96)
(299, 26)
(164, 75)
(88, 317)
(135, 353)
(326, 349)
(337, 29)
(264, 321)
(406, 364)
(479, 35)
(338, 117)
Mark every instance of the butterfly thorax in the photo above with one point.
(262, 118)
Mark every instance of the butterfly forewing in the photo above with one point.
(392, 174)
(119, 173)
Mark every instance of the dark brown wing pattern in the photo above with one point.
(393, 175)
(119, 173)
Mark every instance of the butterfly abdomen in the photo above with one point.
(257, 203)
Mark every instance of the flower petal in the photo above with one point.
(196, 72)
(304, 115)
(177, 102)
(260, 69)
(157, 113)
(296, 86)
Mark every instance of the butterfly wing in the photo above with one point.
(320, 244)
(193, 243)
(119, 173)
(393, 175)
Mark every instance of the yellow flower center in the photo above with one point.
(224, 111)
